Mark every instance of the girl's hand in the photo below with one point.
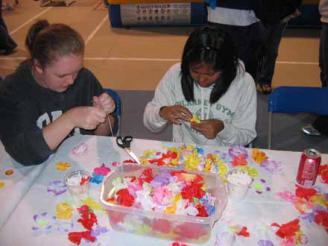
(175, 114)
(209, 128)
(86, 117)
(105, 102)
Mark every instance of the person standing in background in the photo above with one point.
(241, 19)
(7, 44)
(276, 14)
(320, 125)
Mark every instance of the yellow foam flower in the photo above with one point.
(92, 204)
(251, 171)
(64, 211)
(192, 161)
(171, 209)
(62, 166)
(222, 168)
(195, 119)
(259, 156)
(2, 184)
(319, 199)
(177, 198)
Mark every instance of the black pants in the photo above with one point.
(248, 41)
(269, 53)
(321, 123)
(6, 42)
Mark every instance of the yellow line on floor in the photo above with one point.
(30, 20)
(96, 30)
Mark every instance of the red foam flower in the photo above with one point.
(321, 218)
(239, 160)
(287, 230)
(243, 232)
(323, 172)
(192, 190)
(88, 218)
(306, 193)
(76, 237)
(201, 211)
(124, 198)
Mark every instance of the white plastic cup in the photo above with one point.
(77, 183)
(238, 184)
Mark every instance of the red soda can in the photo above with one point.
(308, 168)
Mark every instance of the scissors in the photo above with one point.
(125, 143)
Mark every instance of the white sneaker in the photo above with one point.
(310, 131)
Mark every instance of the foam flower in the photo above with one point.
(192, 161)
(319, 199)
(305, 193)
(80, 149)
(239, 160)
(92, 204)
(321, 218)
(259, 156)
(9, 172)
(251, 171)
(288, 230)
(2, 184)
(62, 166)
(87, 217)
(102, 170)
(323, 172)
(76, 237)
(235, 151)
(124, 198)
(64, 211)
(57, 187)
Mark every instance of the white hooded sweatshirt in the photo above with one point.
(236, 108)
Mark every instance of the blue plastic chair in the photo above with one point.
(287, 99)
(118, 109)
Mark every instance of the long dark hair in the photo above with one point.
(212, 46)
(46, 42)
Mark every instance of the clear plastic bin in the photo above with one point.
(173, 227)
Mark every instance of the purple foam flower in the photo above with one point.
(309, 217)
(265, 243)
(57, 187)
(235, 151)
(99, 230)
(272, 166)
(161, 179)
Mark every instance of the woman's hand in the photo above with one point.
(209, 128)
(175, 114)
(105, 102)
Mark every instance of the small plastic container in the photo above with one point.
(77, 183)
(184, 228)
(238, 184)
